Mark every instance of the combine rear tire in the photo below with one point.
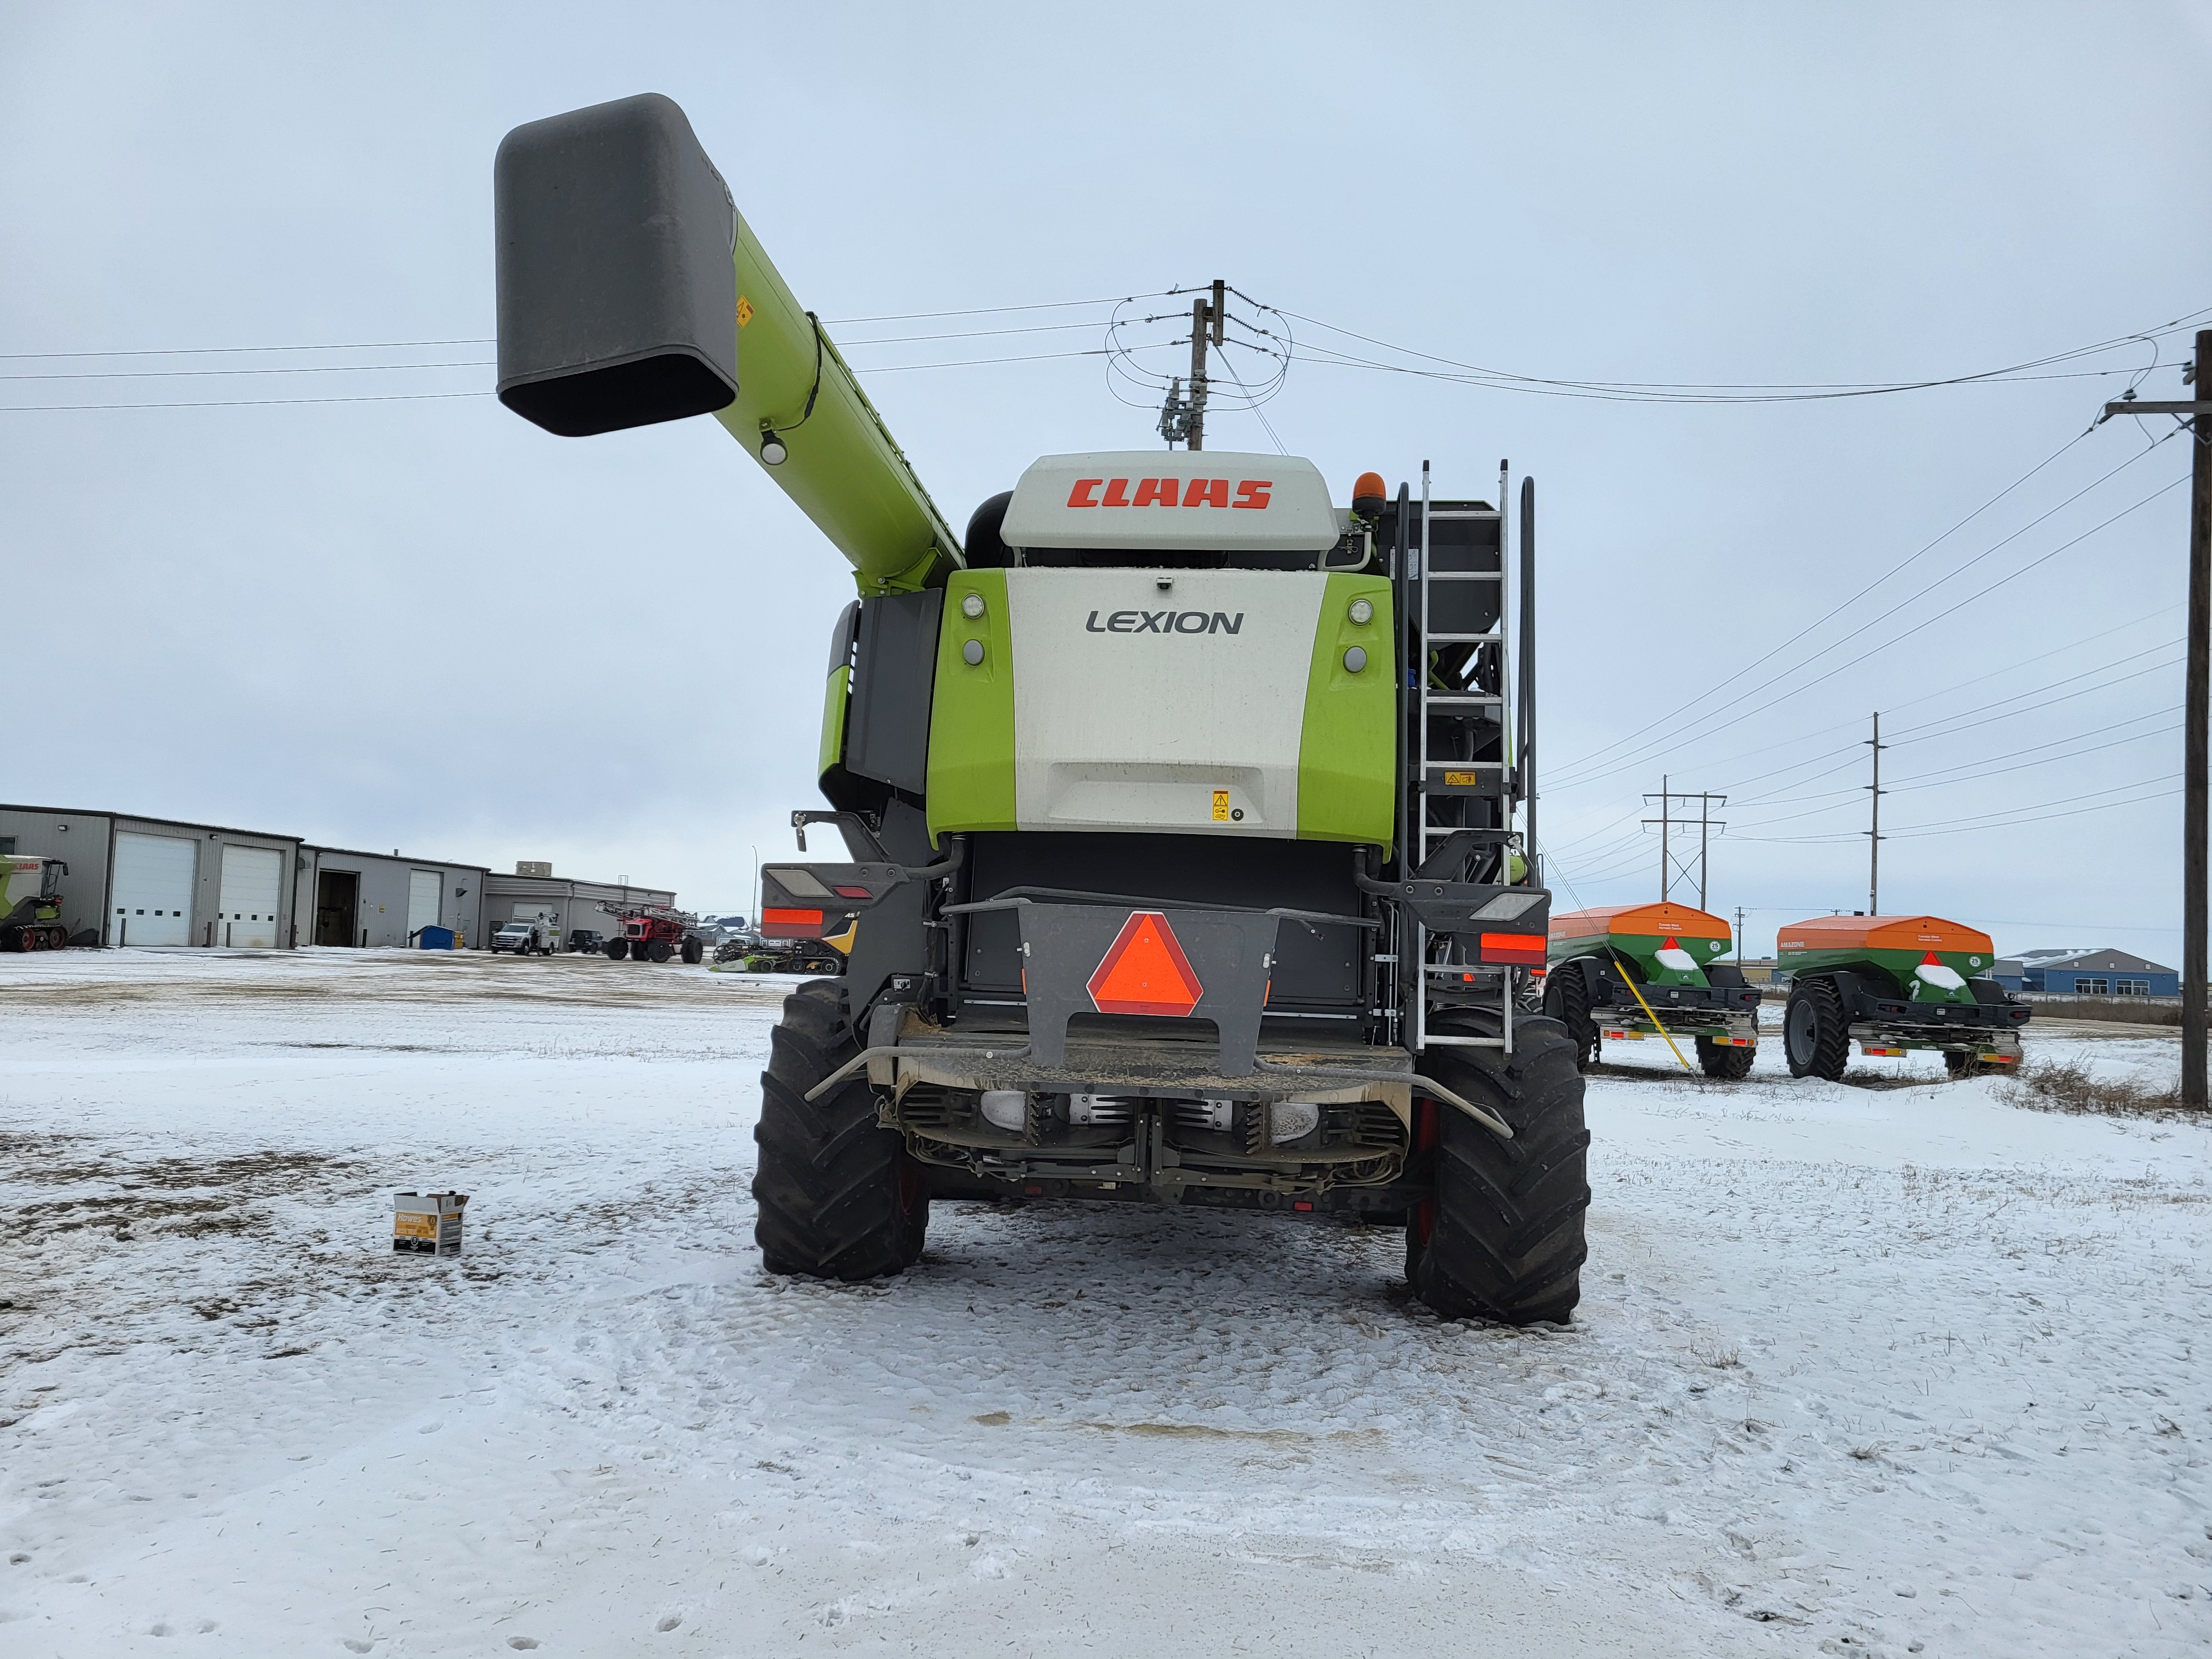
(1501, 1236)
(1723, 1060)
(617, 948)
(837, 1195)
(693, 952)
(1814, 1039)
(1570, 1005)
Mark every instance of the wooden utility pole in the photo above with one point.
(2196, 761)
(2197, 697)
(1874, 833)
(1207, 321)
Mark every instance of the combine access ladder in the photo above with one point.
(1456, 814)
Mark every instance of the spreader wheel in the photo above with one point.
(1566, 998)
(1814, 1039)
(617, 948)
(1724, 1060)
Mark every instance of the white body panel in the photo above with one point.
(1120, 724)
(152, 900)
(253, 885)
(1215, 499)
(422, 891)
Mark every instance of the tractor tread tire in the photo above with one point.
(1573, 1014)
(1831, 1046)
(1502, 1236)
(837, 1196)
(1724, 1060)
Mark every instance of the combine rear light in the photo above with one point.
(854, 892)
(791, 924)
(1516, 950)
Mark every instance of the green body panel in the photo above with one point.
(1347, 749)
(971, 712)
(1892, 971)
(1644, 949)
(844, 471)
(835, 699)
(26, 882)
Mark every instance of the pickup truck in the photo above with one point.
(525, 938)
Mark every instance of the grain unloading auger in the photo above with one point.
(1180, 802)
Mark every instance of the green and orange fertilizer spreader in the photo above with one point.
(1628, 972)
(1894, 984)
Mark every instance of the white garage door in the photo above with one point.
(153, 899)
(252, 881)
(423, 890)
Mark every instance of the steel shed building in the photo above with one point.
(158, 881)
(349, 898)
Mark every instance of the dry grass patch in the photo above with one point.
(2069, 1085)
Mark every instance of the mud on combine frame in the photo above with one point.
(1178, 800)
(1893, 985)
(1634, 971)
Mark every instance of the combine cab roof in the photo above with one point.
(1154, 501)
(1882, 933)
(1685, 920)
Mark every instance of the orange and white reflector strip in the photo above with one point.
(1515, 949)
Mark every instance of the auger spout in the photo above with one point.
(632, 291)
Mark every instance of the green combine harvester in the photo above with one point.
(31, 903)
(1893, 985)
(1178, 800)
(1632, 971)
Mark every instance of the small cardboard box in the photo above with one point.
(427, 1224)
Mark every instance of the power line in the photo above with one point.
(991, 311)
(1691, 391)
(290, 368)
(1651, 745)
(201, 351)
(1845, 606)
(244, 403)
(1898, 639)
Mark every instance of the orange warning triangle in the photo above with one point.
(1145, 971)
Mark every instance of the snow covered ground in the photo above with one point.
(1857, 1370)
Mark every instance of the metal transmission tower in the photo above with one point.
(1676, 867)
(1873, 829)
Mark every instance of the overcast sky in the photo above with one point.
(421, 623)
